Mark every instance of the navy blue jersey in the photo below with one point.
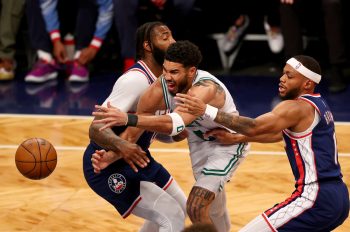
(313, 154)
(320, 201)
(118, 183)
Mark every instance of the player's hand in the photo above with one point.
(86, 55)
(223, 136)
(59, 51)
(133, 155)
(190, 104)
(101, 159)
(110, 116)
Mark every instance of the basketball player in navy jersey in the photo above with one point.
(148, 192)
(320, 201)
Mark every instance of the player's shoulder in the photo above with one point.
(296, 107)
(201, 74)
(134, 75)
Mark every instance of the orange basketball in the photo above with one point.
(36, 158)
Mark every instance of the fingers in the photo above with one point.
(110, 106)
(101, 108)
(132, 165)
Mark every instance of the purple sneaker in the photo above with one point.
(79, 73)
(42, 72)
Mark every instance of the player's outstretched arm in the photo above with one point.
(224, 136)
(172, 124)
(284, 115)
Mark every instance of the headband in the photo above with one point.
(304, 71)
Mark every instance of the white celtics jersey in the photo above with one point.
(204, 149)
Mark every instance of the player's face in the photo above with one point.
(161, 39)
(291, 82)
(178, 78)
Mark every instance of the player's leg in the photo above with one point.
(210, 182)
(219, 213)
(198, 204)
(260, 223)
(174, 190)
(160, 208)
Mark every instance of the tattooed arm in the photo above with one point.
(287, 114)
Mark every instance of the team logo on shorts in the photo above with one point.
(117, 183)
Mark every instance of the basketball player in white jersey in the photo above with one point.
(213, 163)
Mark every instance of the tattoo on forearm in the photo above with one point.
(235, 122)
(198, 201)
(106, 139)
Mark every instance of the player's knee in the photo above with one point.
(174, 220)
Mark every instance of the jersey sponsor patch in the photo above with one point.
(117, 183)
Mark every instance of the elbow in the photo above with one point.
(93, 131)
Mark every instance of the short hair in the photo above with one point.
(200, 227)
(309, 63)
(185, 53)
(143, 33)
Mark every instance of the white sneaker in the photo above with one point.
(234, 36)
(274, 38)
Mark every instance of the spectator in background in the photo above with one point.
(93, 21)
(10, 18)
(292, 25)
(173, 13)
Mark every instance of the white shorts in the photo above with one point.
(218, 164)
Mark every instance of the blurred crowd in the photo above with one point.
(67, 37)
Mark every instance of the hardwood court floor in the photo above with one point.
(64, 202)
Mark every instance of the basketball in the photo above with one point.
(36, 158)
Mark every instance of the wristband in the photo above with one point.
(55, 35)
(211, 112)
(132, 120)
(178, 123)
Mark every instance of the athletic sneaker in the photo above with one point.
(80, 73)
(42, 72)
(6, 69)
(274, 37)
(234, 36)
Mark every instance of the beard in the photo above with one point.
(291, 95)
(158, 55)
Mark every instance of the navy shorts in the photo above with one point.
(298, 213)
(119, 184)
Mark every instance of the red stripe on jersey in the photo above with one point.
(299, 190)
(299, 162)
(294, 196)
(296, 137)
(143, 64)
(168, 184)
(127, 213)
(268, 223)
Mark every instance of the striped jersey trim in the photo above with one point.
(165, 93)
(229, 166)
(166, 186)
(133, 205)
(147, 70)
(311, 103)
